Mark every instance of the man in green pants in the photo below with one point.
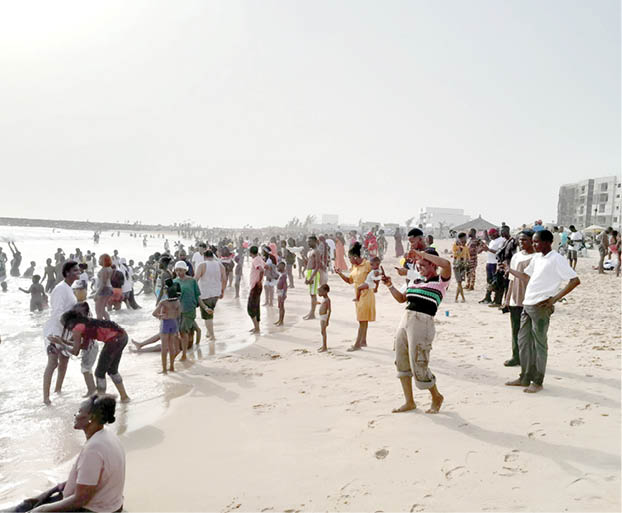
(544, 275)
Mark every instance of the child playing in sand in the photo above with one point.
(281, 291)
(168, 311)
(373, 278)
(38, 299)
(325, 311)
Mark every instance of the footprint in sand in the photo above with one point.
(576, 422)
(381, 454)
(538, 433)
(417, 507)
(455, 472)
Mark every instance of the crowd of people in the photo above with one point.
(524, 273)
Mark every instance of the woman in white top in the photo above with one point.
(97, 478)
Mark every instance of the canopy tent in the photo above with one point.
(479, 224)
(594, 228)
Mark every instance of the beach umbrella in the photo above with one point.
(594, 228)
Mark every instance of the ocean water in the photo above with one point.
(37, 442)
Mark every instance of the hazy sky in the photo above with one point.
(231, 113)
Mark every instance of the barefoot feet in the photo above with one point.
(404, 407)
(436, 404)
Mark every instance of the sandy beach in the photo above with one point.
(279, 427)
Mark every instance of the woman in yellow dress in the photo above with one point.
(366, 305)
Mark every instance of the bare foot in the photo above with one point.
(517, 383)
(533, 388)
(363, 344)
(171, 369)
(47, 401)
(322, 350)
(163, 371)
(125, 399)
(354, 348)
(137, 345)
(436, 404)
(183, 358)
(309, 317)
(404, 407)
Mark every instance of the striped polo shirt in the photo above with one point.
(425, 296)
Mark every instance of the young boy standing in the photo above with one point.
(325, 312)
(281, 291)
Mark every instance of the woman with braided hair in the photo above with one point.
(84, 330)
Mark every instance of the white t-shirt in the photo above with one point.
(62, 299)
(373, 276)
(546, 275)
(101, 462)
(331, 245)
(517, 259)
(575, 237)
(197, 258)
(210, 283)
(495, 245)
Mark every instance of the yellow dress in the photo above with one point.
(366, 305)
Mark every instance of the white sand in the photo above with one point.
(278, 427)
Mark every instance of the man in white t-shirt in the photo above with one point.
(495, 244)
(62, 299)
(212, 280)
(575, 242)
(544, 275)
(197, 256)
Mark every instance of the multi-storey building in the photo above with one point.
(595, 201)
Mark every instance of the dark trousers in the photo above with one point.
(515, 313)
(290, 275)
(533, 343)
(491, 269)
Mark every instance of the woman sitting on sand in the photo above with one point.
(97, 478)
(366, 305)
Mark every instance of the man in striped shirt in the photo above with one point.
(415, 333)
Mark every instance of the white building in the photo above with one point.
(591, 201)
(436, 219)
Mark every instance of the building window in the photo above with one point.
(582, 189)
(615, 219)
(604, 197)
(603, 186)
(601, 207)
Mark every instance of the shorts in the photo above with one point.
(105, 292)
(413, 343)
(117, 296)
(169, 327)
(80, 295)
(89, 355)
(186, 321)
(254, 298)
(315, 284)
(573, 254)
(323, 317)
(210, 302)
